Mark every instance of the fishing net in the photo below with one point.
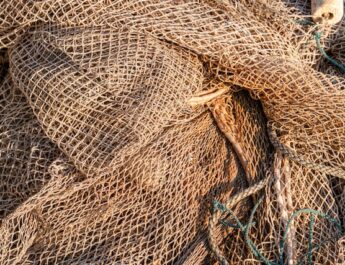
(25, 151)
(170, 132)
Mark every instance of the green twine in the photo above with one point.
(249, 242)
(315, 248)
(311, 225)
(245, 229)
(313, 213)
(317, 36)
(254, 249)
(329, 58)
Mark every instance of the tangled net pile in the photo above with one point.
(170, 132)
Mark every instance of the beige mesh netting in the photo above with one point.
(25, 151)
(170, 132)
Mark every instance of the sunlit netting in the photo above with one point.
(122, 92)
(142, 214)
(171, 132)
(297, 188)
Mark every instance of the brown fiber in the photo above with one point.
(124, 122)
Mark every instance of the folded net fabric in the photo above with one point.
(104, 159)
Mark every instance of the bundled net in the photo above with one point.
(170, 132)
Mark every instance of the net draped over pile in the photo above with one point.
(103, 160)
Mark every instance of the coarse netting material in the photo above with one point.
(171, 132)
(25, 151)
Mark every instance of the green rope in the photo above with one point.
(315, 248)
(254, 249)
(249, 242)
(329, 58)
(307, 211)
(228, 224)
(317, 36)
(245, 229)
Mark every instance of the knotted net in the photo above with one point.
(170, 132)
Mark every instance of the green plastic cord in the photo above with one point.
(329, 58)
(254, 249)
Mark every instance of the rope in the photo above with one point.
(229, 204)
(313, 213)
(329, 170)
(221, 208)
(254, 249)
(317, 36)
(310, 239)
(329, 58)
